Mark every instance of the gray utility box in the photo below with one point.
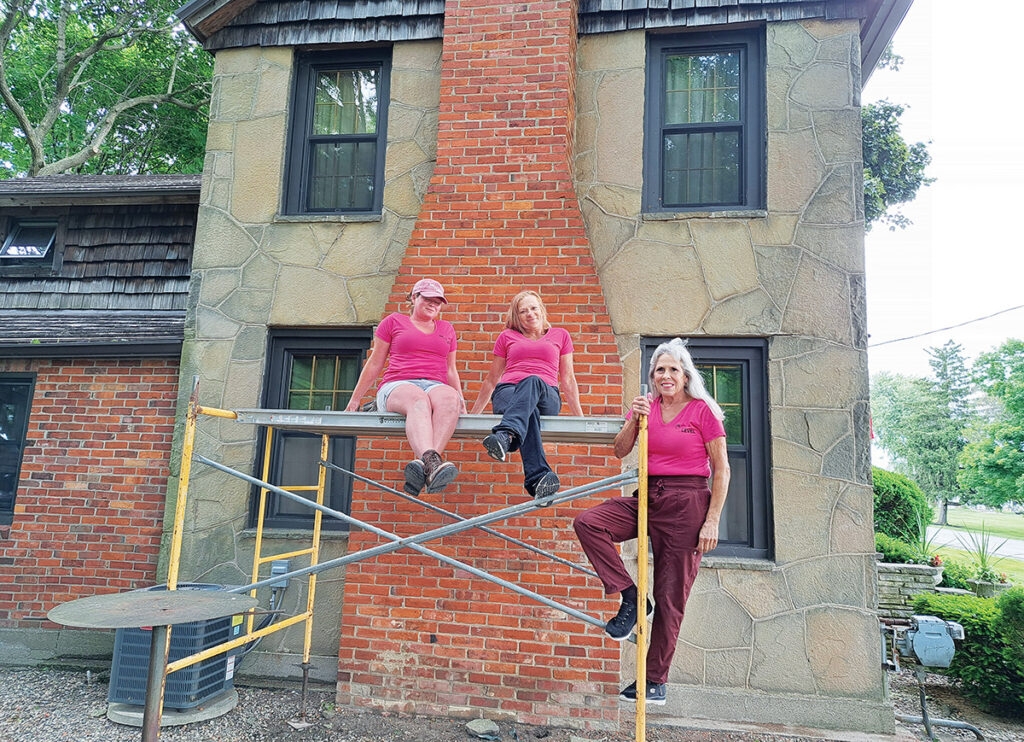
(190, 686)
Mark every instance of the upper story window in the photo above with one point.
(735, 373)
(338, 133)
(704, 124)
(30, 246)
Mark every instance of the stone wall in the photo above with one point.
(899, 583)
(253, 269)
(796, 636)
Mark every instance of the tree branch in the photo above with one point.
(103, 129)
(14, 15)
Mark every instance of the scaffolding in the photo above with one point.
(325, 424)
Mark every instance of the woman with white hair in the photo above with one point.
(686, 445)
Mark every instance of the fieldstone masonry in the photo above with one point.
(793, 639)
(798, 633)
(899, 584)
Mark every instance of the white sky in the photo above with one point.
(964, 255)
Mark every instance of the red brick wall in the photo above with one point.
(90, 499)
(500, 215)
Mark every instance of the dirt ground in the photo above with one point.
(39, 705)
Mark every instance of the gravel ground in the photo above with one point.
(38, 705)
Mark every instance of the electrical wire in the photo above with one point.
(943, 329)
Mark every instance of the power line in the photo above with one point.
(943, 329)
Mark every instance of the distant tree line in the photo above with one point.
(958, 433)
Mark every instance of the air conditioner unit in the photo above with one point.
(185, 688)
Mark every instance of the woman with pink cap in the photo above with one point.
(421, 382)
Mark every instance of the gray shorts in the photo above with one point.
(385, 390)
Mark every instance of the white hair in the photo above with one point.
(676, 349)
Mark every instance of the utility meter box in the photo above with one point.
(185, 688)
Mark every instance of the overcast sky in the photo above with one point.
(963, 257)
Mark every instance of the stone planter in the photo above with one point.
(899, 583)
(985, 589)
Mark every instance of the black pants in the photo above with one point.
(520, 406)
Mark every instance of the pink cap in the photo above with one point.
(430, 288)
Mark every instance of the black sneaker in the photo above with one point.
(657, 694)
(498, 445)
(546, 486)
(622, 623)
(415, 478)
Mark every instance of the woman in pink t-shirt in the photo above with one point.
(421, 382)
(532, 363)
(686, 444)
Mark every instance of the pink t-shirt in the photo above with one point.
(525, 357)
(414, 354)
(677, 447)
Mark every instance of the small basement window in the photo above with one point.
(29, 244)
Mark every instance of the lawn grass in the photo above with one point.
(1014, 568)
(1005, 525)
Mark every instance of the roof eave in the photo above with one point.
(877, 31)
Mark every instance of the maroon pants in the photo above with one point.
(676, 509)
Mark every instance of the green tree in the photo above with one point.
(922, 422)
(893, 169)
(99, 87)
(993, 462)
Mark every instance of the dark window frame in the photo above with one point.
(46, 266)
(297, 159)
(282, 345)
(752, 355)
(751, 45)
(7, 516)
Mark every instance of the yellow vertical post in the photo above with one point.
(641, 588)
(261, 513)
(315, 555)
(184, 472)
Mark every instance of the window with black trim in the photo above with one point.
(704, 125)
(30, 246)
(735, 373)
(338, 133)
(309, 370)
(15, 406)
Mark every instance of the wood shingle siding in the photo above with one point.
(127, 333)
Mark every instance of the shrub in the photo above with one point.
(899, 503)
(982, 663)
(1010, 624)
(894, 551)
(956, 574)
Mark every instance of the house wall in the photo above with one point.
(253, 269)
(795, 637)
(89, 507)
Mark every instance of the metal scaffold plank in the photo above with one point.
(554, 429)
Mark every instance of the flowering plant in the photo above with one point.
(935, 561)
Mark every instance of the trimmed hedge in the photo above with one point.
(893, 550)
(899, 503)
(984, 662)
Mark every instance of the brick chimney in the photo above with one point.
(500, 216)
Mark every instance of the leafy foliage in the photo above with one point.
(899, 503)
(956, 574)
(979, 544)
(993, 462)
(922, 423)
(893, 169)
(1010, 623)
(99, 87)
(984, 663)
(893, 550)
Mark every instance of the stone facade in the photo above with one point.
(254, 269)
(799, 632)
(793, 639)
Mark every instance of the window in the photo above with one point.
(704, 125)
(15, 405)
(30, 247)
(735, 373)
(309, 370)
(338, 134)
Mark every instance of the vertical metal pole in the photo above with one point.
(183, 475)
(267, 441)
(159, 641)
(641, 589)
